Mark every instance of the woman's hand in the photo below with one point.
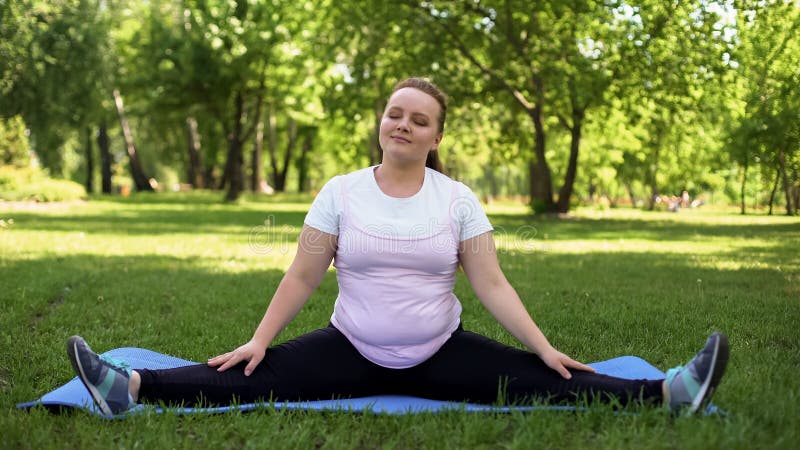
(561, 362)
(251, 351)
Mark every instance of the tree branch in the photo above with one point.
(512, 37)
(259, 100)
(563, 121)
(487, 70)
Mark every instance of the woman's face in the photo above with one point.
(410, 127)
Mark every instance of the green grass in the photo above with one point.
(189, 276)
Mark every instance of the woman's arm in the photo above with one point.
(478, 256)
(315, 250)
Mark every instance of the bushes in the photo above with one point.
(14, 145)
(21, 182)
(34, 185)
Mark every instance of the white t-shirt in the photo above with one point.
(396, 262)
(413, 216)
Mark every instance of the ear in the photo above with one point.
(436, 141)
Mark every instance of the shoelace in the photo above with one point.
(119, 364)
(116, 363)
(672, 372)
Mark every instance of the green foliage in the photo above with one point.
(14, 146)
(30, 184)
(56, 71)
(667, 96)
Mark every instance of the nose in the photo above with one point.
(402, 124)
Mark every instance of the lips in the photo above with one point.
(400, 139)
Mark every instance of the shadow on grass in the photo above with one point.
(138, 221)
(159, 289)
(660, 306)
(201, 197)
(645, 228)
(624, 292)
(593, 306)
(164, 300)
(165, 303)
(198, 217)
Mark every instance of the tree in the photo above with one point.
(57, 75)
(369, 62)
(524, 49)
(768, 128)
(140, 180)
(212, 60)
(555, 60)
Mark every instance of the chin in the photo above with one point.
(405, 158)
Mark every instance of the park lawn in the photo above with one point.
(186, 275)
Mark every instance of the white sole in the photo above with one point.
(718, 365)
(98, 399)
(704, 388)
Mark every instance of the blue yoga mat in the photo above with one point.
(74, 394)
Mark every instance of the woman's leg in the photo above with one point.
(319, 365)
(471, 367)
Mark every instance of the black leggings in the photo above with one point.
(323, 365)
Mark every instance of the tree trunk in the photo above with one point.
(195, 166)
(140, 180)
(795, 190)
(209, 175)
(540, 178)
(491, 177)
(565, 193)
(280, 182)
(302, 161)
(256, 158)
(234, 176)
(235, 166)
(223, 180)
(272, 143)
(786, 188)
(741, 192)
(629, 188)
(774, 189)
(89, 162)
(105, 158)
(652, 176)
(541, 185)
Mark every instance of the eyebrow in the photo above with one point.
(415, 114)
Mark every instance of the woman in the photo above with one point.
(397, 232)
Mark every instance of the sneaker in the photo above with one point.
(692, 385)
(106, 378)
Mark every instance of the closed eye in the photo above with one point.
(420, 119)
